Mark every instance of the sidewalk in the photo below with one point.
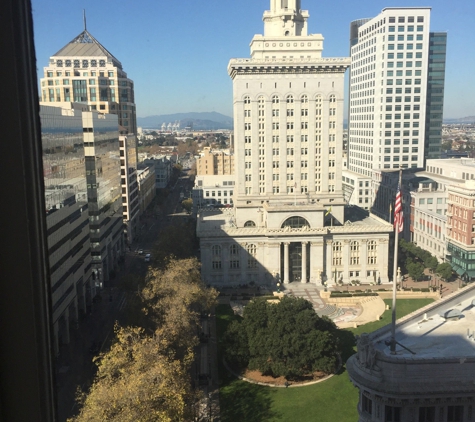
(209, 409)
(74, 367)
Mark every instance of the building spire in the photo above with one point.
(84, 18)
(278, 5)
(285, 18)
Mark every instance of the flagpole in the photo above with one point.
(396, 247)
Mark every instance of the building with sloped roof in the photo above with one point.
(84, 71)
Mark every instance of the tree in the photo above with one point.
(284, 339)
(146, 374)
(178, 241)
(446, 145)
(444, 271)
(174, 298)
(236, 345)
(416, 270)
(431, 263)
(187, 204)
(138, 380)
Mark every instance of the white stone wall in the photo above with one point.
(270, 256)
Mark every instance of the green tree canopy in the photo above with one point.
(145, 376)
(416, 270)
(431, 263)
(187, 204)
(173, 299)
(138, 380)
(177, 240)
(283, 339)
(444, 270)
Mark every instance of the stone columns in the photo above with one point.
(206, 258)
(286, 262)
(383, 246)
(364, 260)
(273, 260)
(304, 262)
(243, 258)
(224, 262)
(346, 260)
(316, 262)
(328, 269)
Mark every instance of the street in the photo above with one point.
(74, 366)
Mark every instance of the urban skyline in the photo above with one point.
(179, 62)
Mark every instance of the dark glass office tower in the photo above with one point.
(435, 94)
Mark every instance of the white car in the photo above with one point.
(147, 257)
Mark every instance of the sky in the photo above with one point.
(177, 52)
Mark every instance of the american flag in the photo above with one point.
(398, 217)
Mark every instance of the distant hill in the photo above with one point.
(200, 121)
(469, 119)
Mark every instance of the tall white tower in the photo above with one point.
(289, 222)
(288, 115)
(388, 90)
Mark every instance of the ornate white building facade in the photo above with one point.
(290, 221)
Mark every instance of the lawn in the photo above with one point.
(332, 400)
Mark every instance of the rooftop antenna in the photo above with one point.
(84, 18)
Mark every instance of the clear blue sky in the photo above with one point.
(177, 51)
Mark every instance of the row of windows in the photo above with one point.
(426, 413)
(410, 37)
(409, 55)
(77, 63)
(408, 46)
(289, 99)
(110, 74)
(290, 125)
(402, 19)
(408, 28)
(213, 193)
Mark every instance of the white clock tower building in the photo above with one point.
(288, 220)
(288, 118)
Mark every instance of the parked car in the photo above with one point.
(147, 257)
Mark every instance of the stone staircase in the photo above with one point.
(327, 310)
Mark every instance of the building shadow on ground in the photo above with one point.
(242, 401)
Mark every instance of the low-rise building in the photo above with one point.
(357, 189)
(439, 204)
(146, 183)
(213, 189)
(163, 169)
(215, 162)
(428, 219)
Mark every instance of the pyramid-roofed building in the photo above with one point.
(84, 71)
(85, 45)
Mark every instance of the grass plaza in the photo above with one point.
(332, 400)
